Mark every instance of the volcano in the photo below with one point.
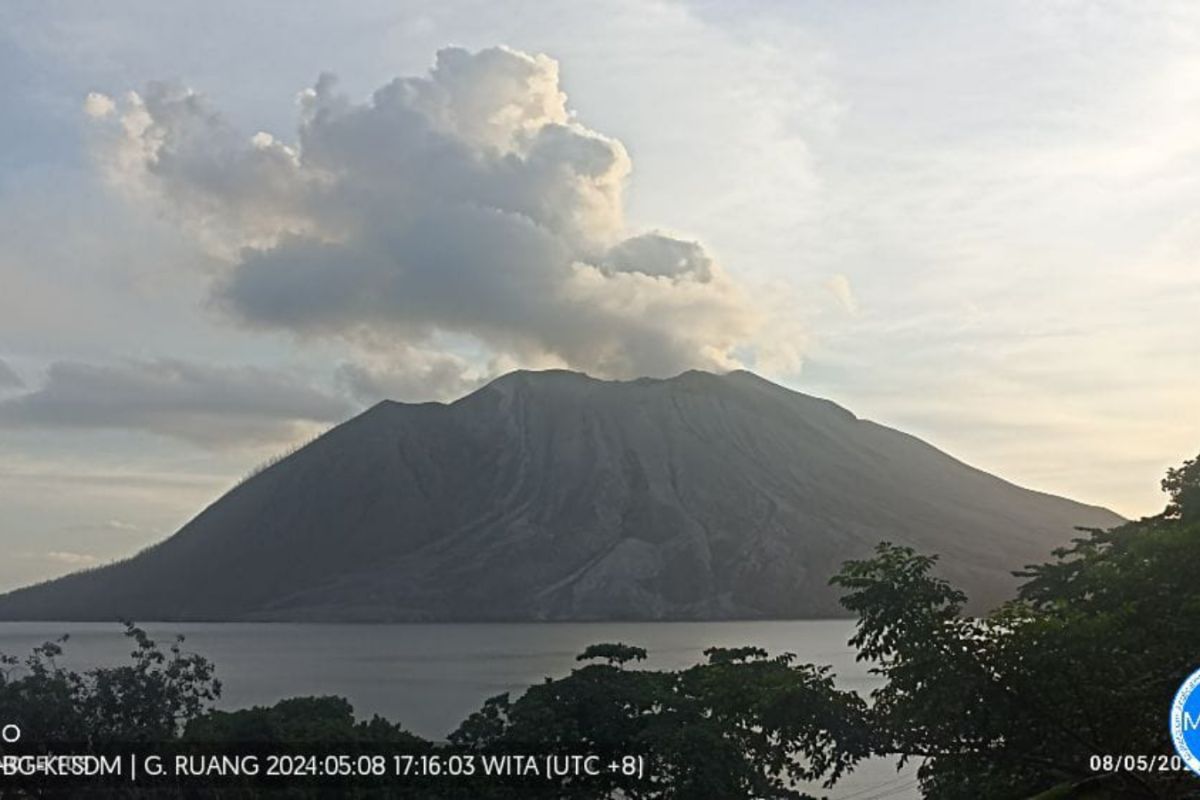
(556, 496)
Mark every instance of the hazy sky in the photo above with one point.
(226, 226)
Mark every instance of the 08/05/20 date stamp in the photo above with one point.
(1126, 762)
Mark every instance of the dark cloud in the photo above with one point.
(468, 202)
(8, 378)
(209, 405)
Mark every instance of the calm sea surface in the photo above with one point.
(430, 677)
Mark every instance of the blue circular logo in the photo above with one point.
(1185, 722)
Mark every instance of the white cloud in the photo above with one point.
(839, 287)
(98, 105)
(410, 374)
(67, 558)
(468, 202)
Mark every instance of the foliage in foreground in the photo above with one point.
(741, 725)
(149, 700)
(1084, 663)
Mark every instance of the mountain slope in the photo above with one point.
(553, 495)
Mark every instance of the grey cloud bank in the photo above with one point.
(9, 379)
(470, 202)
(212, 406)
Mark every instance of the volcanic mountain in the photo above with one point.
(556, 496)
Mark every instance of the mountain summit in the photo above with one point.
(555, 496)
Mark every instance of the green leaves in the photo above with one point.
(615, 654)
(149, 700)
(1183, 485)
(1083, 663)
(742, 725)
(297, 720)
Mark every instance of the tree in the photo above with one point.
(299, 720)
(741, 725)
(1083, 664)
(148, 700)
(615, 654)
(1183, 485)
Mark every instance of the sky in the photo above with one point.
(225, 227)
